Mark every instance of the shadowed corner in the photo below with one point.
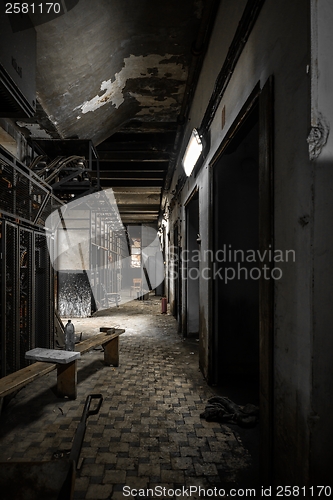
(22, 412)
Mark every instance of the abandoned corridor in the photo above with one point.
(148, 432)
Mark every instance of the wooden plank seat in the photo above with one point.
(15, 381)
(109, 340)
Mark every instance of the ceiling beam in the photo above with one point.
(139, 209)
(146, 142)
(136, 191)
(139, 219)
(106, 165)
(142, 183)
(135, 172)
(159, 156)
(132, 177)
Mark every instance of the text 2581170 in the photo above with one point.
(33, 8)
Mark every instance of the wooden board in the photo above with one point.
(19, 379)
(96, 340)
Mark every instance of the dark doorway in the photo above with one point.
(177, 282)
(236, 271)
(236, 268)
(191, 260)
(241, 342)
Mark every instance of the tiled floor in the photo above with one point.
(148, 432)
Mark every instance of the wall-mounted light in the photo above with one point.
(192, 153)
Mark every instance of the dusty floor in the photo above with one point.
(148, 432)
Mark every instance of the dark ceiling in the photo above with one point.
(122, 74)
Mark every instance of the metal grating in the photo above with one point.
(26, 309)
(6, 187)
(38, 199)
(26, 275)
(43, 294)
(22, 195)
(50, 206)
(10, 348)
(25, 294)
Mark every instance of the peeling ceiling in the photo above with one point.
(121, 73)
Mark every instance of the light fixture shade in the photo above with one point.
(192, 153)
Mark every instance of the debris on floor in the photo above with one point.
(222, 409)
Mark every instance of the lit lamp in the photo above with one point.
(192, 153)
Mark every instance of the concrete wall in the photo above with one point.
(279, 45)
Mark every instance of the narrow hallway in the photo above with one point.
(148, 432)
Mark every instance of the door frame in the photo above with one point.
(194, 192)
(264, 99)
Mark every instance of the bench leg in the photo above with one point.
(111, 352)
(67, 380)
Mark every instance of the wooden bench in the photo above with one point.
(17, 380)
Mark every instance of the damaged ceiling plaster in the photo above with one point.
(122, 75)
(104, 64)
(150, 66)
